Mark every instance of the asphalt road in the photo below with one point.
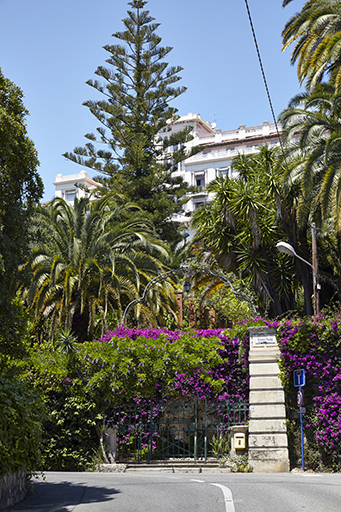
(184, 492)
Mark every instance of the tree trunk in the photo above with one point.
(277, 306)
(297, 236)
(80, 324)
(307, 281)
(305, 271)
(101, 437)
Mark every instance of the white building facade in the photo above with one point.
(74, 185)
(220, 147)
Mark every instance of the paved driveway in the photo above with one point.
(179, 492)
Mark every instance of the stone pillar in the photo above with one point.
(268, 442)
(211, 319)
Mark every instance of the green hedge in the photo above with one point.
(21, 416)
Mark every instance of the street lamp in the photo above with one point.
(187, 286)
(288, 249)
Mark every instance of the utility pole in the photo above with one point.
(317, 286)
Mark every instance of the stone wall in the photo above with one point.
(13, 488)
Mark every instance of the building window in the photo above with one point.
(224, 171)
(70, 196)
(197, 205)
(200, 181)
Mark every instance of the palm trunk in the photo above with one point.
(299, 234)
(307, 282)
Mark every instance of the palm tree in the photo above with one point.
(90, 259)
(312, 138)
(316, 32)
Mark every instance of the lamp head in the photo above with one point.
(187, 286)
(286, 248)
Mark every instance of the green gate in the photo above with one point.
(195, 429)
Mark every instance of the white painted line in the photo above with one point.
(200, 481)
(228, 498)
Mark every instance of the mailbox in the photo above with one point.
(239, 441)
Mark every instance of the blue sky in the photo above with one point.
(51, 48)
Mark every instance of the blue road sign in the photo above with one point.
(299, 378)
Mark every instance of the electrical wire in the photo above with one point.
(263, 74)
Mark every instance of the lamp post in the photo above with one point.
(189, 310)
(153, 282)
(315, 266)
(288, 249)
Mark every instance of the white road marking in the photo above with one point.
(200, 481)
(228, 497)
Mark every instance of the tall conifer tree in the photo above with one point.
(137, 89)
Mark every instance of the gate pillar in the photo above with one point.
(268, 441)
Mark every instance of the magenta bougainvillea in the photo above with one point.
(201, 364)
(231, 373)
(314, 344)
(148, 366)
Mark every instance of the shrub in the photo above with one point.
(21, 416)
(314, 344)
(70, 439)
(82, 388)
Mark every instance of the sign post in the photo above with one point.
(301, 419)
(299, 381)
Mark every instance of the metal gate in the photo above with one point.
(195, 429)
